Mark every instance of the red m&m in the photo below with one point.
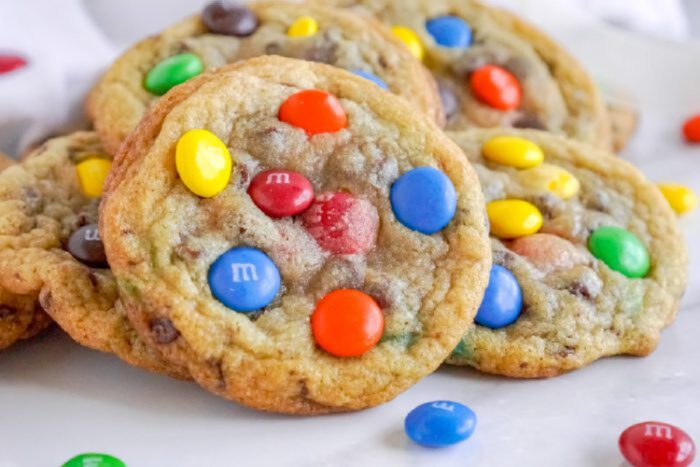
(496, 87)
(281, 193)
(691, 129)
(342, 224)
(314, 111)
(10, 63)
(347, 323)
(651, 444)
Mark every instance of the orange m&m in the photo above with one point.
(315, 111)
(691, 129)
(347, 323)
(496, 87)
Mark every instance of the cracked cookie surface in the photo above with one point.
(162, 239)
(576, 309)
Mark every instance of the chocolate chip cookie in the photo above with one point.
(51, 256)
(588, 258)
(494, 69)
(309, 242)
(225, 33)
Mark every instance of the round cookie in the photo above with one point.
(602, 274)
(51, 257)
(284, 313)
(318, 33)
(494, 69)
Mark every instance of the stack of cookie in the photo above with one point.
(283, 220)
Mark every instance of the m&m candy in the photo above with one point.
(303, 27)
(315, 111)
(171, 72)
(513, 151)
(347, 323)
(94, 459)
(92, 174)
(681, 198)
(229, 19)
(511, 218)
(549, 252)
(503, 300)
(620, 250)
(372, 77)
(424, 199)
(342, 223)
(10, 63)
(450, 31)
(203, 162)
(86, 246)
(281, 193)
(656, 444)
(551, 178)
(691, 129)
(440, 423)
(496, 87)
(244, 279)
(410, 39)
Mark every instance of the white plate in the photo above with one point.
(58, 399)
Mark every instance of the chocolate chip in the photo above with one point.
(86, 246)
(529, 121)
(6, 311)
(164, 331)
(273, 48)
(580, 290)
(93, 279)
(450, 101)
(322, 53)
(503, 258)
(229, 19)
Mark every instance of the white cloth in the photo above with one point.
(69, 42)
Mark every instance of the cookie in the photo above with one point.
(51, 256)
(225, 33)
(588, 257)
(494, 69)
(624, 120)
(335, 255)
(5, 161)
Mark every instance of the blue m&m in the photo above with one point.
(440, 423)
(450, 31)
(372, 77)
(424, 199)
(244, 279)
(503, 300)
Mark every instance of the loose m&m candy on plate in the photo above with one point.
(656, 444)
(440, 423)
(589, 260)
(307, 284)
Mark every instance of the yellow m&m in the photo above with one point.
(681, 198)
(92, 174)
(551, 178)
(513, 151)
(303, 27)
(512, 218)
(203, 162)
(409, 37)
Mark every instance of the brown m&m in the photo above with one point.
(86, 246)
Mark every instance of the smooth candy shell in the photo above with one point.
(681, 198)
(620, 250)
(550, 178)
(513, 151)
(244, 279)
(171, 72)
(94, 460)
(203, 162)
(92, 174)
(496, 87)
(372, 77)
(440, 423)
(691, 129)
(229, 19)
(424, 199)
(86, 246)
(450, 31)
(303, 27)
(652, 444)
(10, 63)
(347, 323)
(281, 193)
(512, 218)
(314, 111)
(503, 300)
(549, 252)
(410, 39)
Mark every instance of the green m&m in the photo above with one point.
(94, 460)
(620, 250)
(171, 72)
